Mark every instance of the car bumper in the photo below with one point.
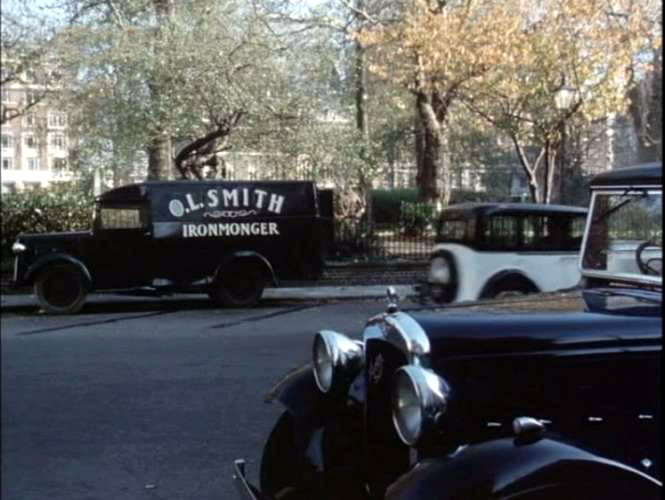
(245, 490)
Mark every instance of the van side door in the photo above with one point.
(121, 250)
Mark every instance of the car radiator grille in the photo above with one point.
(387, 457)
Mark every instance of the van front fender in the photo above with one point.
(57, 258)
(505, 468)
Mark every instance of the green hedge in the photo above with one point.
(61, 207)
(387, 203)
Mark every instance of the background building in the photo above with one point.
(35, 145)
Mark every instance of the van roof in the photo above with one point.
(139, 191)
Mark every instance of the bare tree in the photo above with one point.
(29, 73)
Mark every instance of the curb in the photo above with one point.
(22, 301)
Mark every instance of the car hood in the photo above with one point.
(546, 322)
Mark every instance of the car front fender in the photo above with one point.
(506, 468)
(298, 393)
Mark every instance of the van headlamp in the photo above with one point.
(336, 359)
(18, 248)
(420, 398)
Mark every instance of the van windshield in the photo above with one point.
(121, 217)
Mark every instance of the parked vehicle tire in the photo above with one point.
(240, 285)
(509, 287)
(60, 289)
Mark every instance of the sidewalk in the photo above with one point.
(10, 302)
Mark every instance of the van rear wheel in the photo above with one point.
(60, 289)
(240, 285)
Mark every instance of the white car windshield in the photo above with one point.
(625, 237)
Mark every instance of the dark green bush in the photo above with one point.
(60, 207)
(355, 239)
(387, 203)
(416, 217)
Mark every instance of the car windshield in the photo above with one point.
(625, 237)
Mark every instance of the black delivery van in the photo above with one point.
(228, 239)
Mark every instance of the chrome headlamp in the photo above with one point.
(439, 271)
(18, 248)
(420, 397)
(336, 359)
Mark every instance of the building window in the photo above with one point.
(6, 96)
(58, 142)
(57, 120)
(7, 141)
(33, 164)
(30, 141)
(31, 96)
(29, 120)
(9, 187)
(7, 163)
(59, 164)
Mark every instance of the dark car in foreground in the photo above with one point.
(548, 396)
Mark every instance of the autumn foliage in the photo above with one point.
(507, 60)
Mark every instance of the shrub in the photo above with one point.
(416, 217)
(387, 203)
(355, 239)
(60, 207)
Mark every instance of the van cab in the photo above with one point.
(227, 239)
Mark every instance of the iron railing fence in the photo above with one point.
(380, 241)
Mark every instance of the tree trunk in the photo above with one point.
(531, 171)
(432, 177)
(159, 157)
(159, 148)
(362, 123)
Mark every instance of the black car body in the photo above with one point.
(550, 395)
(225, 238)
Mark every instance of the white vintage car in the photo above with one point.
(486, 250)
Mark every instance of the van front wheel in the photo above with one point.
(60, 289)
(240, 285)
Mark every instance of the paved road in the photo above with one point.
(141, 399)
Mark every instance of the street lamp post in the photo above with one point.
(563, 99)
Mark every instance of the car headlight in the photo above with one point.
(336, 359)
(420, 397)
(18, 247)
(439, 271)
